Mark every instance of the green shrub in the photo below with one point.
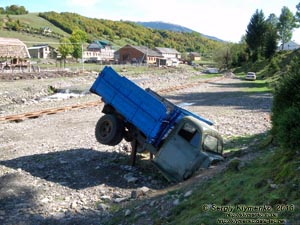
(288, 132)
(274, 66)
(286, 108)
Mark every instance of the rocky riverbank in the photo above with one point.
(52, 170)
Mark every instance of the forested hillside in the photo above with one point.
(173, 27)
(121, 32)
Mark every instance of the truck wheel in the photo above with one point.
(109, 130)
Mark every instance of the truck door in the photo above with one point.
(181, 154)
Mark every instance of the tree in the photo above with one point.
(285, 26)
(273, 20)
(255, 34)
(65, 48)
(271, 36)
(77, 38)
(297, 16)
(223, 57)
(15, 10)
(13, 24)
(239, 53)
(22, 10)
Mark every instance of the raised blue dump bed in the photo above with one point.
(137, 106)
(149, 112)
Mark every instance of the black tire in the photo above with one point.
(109, 130)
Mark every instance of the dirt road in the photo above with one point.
(52, 170)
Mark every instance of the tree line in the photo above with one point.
(13, 10)
(263, 35)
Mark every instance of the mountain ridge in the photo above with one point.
(160, 25)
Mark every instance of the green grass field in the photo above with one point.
(36, 22)
(29, 39)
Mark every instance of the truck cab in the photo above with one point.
(191, 145)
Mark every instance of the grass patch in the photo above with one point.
(238, 143)
(137, 70)
(29, 39)
(212, 75)
(258, 85)
(253, 185)
(206, 76)
(207, 62)
(72, 66)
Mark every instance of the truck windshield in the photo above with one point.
(212, 144)
(190, 134)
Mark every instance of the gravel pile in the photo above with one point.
(52, 170)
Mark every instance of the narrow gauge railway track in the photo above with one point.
(36, 114)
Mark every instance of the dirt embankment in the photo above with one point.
(52, 170)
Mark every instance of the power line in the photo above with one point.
(57, 43)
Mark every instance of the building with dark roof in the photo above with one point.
(98, 51)
(137, 54)
(97, 45)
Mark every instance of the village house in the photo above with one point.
(98, 51)
(136, 54)
(42, 51)
(194, 56)
(46, 30)
(168, 53)
(13, 53)
(291, 45)
(170, 57)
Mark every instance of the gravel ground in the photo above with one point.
(52, 170)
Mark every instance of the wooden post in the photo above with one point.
(133, 152)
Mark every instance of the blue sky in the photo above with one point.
(225, 19)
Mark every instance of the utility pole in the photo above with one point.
(82, 57)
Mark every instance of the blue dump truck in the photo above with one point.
(179, 141)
